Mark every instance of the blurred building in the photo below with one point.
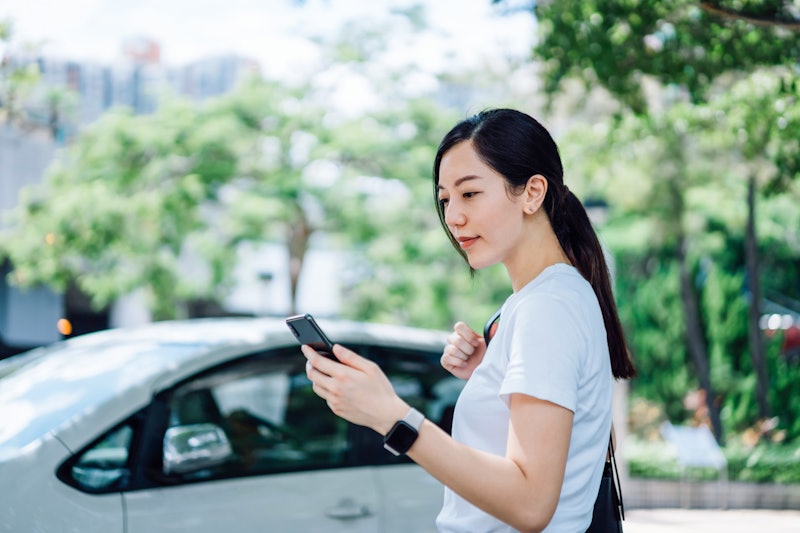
(138, 79)
(211, 77)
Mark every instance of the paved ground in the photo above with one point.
(710, 521)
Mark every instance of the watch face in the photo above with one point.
(400, 438)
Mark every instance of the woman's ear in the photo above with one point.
(535, 191)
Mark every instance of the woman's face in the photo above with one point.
(486, 221)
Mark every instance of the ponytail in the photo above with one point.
(579, 241)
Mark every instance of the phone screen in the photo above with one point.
(307, 331)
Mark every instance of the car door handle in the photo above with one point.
(348, 509)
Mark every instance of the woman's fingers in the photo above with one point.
(461, 344)
(465, 332)
(453, 356)
(463, 351)
(350, 358)
(355, 388)
(316, 361)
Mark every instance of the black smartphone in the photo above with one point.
(307, 331)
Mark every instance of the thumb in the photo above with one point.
(348, 357)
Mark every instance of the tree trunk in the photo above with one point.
(298, 238)
(53, 123)
(696, 340)
(695, 337)
(757, 354)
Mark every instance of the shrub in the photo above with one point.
(766, 463)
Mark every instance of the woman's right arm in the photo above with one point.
(520, 488)
(464, 351)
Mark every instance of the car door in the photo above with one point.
(250, 447)
(411, 497)
(321, 501)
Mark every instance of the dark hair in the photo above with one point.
(517, 146)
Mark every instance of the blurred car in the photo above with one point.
(209, 425)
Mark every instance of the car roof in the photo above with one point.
(54, 386)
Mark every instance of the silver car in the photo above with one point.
(209, 425)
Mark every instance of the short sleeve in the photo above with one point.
(545, 351)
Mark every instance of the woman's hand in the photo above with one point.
(355, 388)
(464, 351)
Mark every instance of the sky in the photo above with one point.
(274, 32)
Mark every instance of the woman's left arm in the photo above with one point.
(522, 488)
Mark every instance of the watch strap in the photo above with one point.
(414, 419)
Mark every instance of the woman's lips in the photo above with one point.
(467, 242)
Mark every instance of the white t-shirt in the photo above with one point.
(551, 344)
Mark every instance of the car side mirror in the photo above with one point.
(195, 447)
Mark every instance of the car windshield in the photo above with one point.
(47, 388)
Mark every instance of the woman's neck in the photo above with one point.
(539, 252)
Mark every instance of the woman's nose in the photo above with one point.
(453, 215)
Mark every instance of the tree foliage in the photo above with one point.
(16, 81)
(705, 152)
(663, 59)
(685, 43)
(125, 203)
(24, 103)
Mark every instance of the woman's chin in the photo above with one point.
(477, 263)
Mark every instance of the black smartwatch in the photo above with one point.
(404, 433)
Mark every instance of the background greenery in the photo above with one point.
(682, 116)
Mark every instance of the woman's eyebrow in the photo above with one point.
(461, 180)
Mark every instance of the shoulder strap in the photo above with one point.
(617, 485)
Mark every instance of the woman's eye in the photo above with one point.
(442, 202)
(469, 194)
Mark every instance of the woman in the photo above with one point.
(532, 424)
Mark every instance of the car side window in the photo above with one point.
(418, 378)
(255, 416)
(103, 466)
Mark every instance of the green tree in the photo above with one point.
(24, 103)
(58, 106)
(125, 203)
(277, 194)
(688, 45)
(17, 79)
(650, 175)
(760, 128)
(698, 150)
(402, 267)
(137, 198)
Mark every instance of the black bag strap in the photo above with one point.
(617, 485)
(488, 328)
